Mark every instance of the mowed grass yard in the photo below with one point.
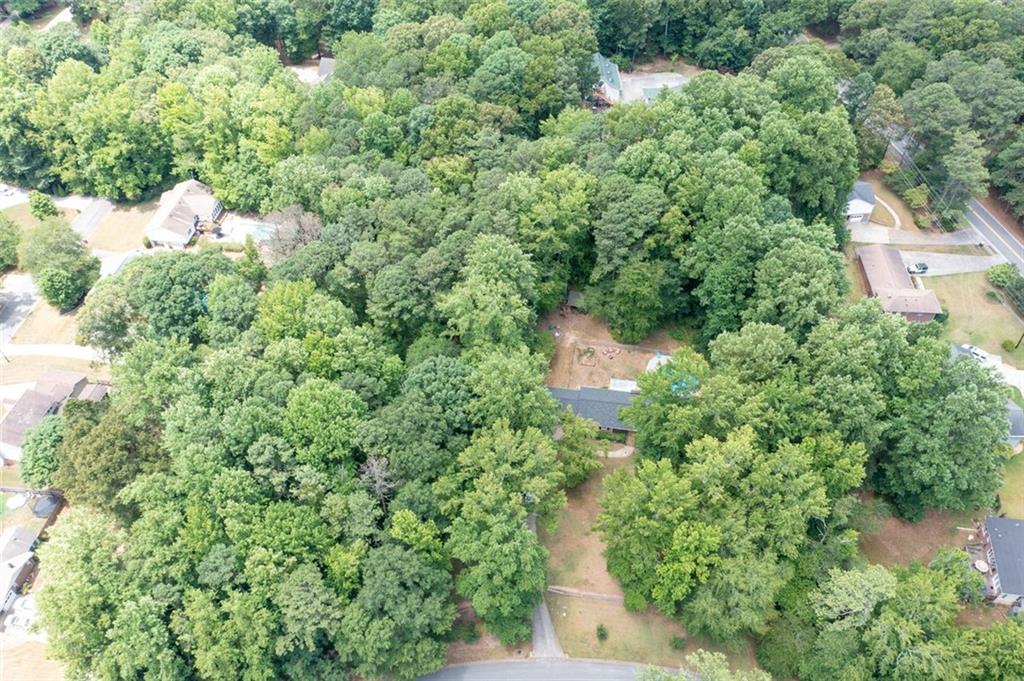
(975, 318)
(1012, 494)
(23, 217)
(123, 228)
(47, 324)
(577, 561)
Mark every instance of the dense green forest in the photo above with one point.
(308, 455)
(950, 72)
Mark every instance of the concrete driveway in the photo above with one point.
(941, 264)
(11, 196)
(876, 234)
(538, 670)
(545, 640)
(18, 297)
(91, 212)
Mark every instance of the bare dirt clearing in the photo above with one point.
(587, 355)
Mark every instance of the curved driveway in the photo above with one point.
(538, 669)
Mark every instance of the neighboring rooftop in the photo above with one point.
(325, 69)
(16, 541)
(50, 391)
(1016, 417)
(607, 71)
(1007, 538)
(29, 410)
(888, 280)
(598, 404)
(60, 384)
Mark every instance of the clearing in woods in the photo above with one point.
(587, 355)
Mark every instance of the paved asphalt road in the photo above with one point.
(998, 237)
(538, 669)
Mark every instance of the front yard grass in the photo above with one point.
(23, 217)
(123, 228)
(644, 637)
(576, 552)
(576, 560)
(47, 324)
(976, 319)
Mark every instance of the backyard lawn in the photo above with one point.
(894, 541)
(975, 318)
(1012, 493)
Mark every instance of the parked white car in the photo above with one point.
(977, 353)
(19, 620)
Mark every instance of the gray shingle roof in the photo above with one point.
(607, 71)
(597, 404)
(863, 191)
(1007, 537)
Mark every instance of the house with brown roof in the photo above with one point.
(182, 211)
(887, 280)
(54, 388)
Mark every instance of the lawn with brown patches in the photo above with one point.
(23, 218)
(29, 369)
(975, 318)
(644, 637)
(123, 228)
(576, 551)
(900, 542)
(981, 615)
(47, 324)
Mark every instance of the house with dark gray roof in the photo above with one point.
(1005, 539)
(609, 84)
(860, 202)
(597, 404)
